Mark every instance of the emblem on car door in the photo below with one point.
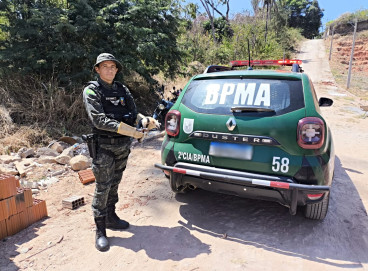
(231, 124)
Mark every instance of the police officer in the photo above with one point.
(112, 111)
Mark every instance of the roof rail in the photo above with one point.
(217, 68)
(280, 62)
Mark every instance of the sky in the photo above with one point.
(332, 8)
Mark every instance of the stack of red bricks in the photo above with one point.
(18, 209)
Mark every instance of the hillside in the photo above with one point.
(340, 58)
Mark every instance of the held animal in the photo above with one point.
(147, 123)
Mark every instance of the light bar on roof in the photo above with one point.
(282, 62)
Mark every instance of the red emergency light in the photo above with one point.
(281, 62)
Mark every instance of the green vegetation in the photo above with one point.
(304, 14)
(48, 48)
(61, 39)
(360, 15)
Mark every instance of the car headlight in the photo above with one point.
(161, 107)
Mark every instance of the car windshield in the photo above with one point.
(245, 95)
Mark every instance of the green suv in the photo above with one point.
(251, 133)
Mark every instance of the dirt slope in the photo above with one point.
(206, 231)
(340, 58)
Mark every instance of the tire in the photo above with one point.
(318, 210)
(177, 190)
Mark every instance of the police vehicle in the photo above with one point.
(252, 133)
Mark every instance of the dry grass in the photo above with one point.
(13, 136)
(23, 136)
(6, 122)
(30, 101)
(33, 112)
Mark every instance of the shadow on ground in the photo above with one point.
(339, 240)
(162, 243)
(9, 246)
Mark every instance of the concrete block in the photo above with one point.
(73, 202)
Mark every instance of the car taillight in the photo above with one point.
(314, 196)
(311, 133)
(172, 123)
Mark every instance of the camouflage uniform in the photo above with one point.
(112, 149)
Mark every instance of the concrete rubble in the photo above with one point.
(37, 168)
(54, 161)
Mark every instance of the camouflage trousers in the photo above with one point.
(108, 167)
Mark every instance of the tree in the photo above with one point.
(313, 18)
(222, 28)
(211, 17)
(304, 14)
(191, 11)
(220, 2)
(269, 4)
(210, 7)
(62, 38)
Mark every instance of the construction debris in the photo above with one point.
(73, 202)
(86, 176)
(17, 208)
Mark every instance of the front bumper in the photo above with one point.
(259, 186)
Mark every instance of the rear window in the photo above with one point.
(218, 96)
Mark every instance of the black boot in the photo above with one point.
(114, 222)
(102, 244)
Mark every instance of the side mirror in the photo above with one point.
(325, 101)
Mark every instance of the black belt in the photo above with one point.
(112, 140)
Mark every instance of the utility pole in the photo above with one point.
(333, 30)
(352, 54)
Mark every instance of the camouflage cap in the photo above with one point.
(108, 57)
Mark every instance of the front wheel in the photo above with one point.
(318, 210)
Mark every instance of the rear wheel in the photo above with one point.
(317, 210)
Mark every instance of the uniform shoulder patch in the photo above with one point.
(90, 91)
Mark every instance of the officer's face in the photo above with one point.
(107, 71)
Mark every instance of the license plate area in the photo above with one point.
(231, 150)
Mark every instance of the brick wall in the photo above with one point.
(18, 209)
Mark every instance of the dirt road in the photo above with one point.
(207, 231)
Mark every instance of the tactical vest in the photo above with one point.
(115, 104)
